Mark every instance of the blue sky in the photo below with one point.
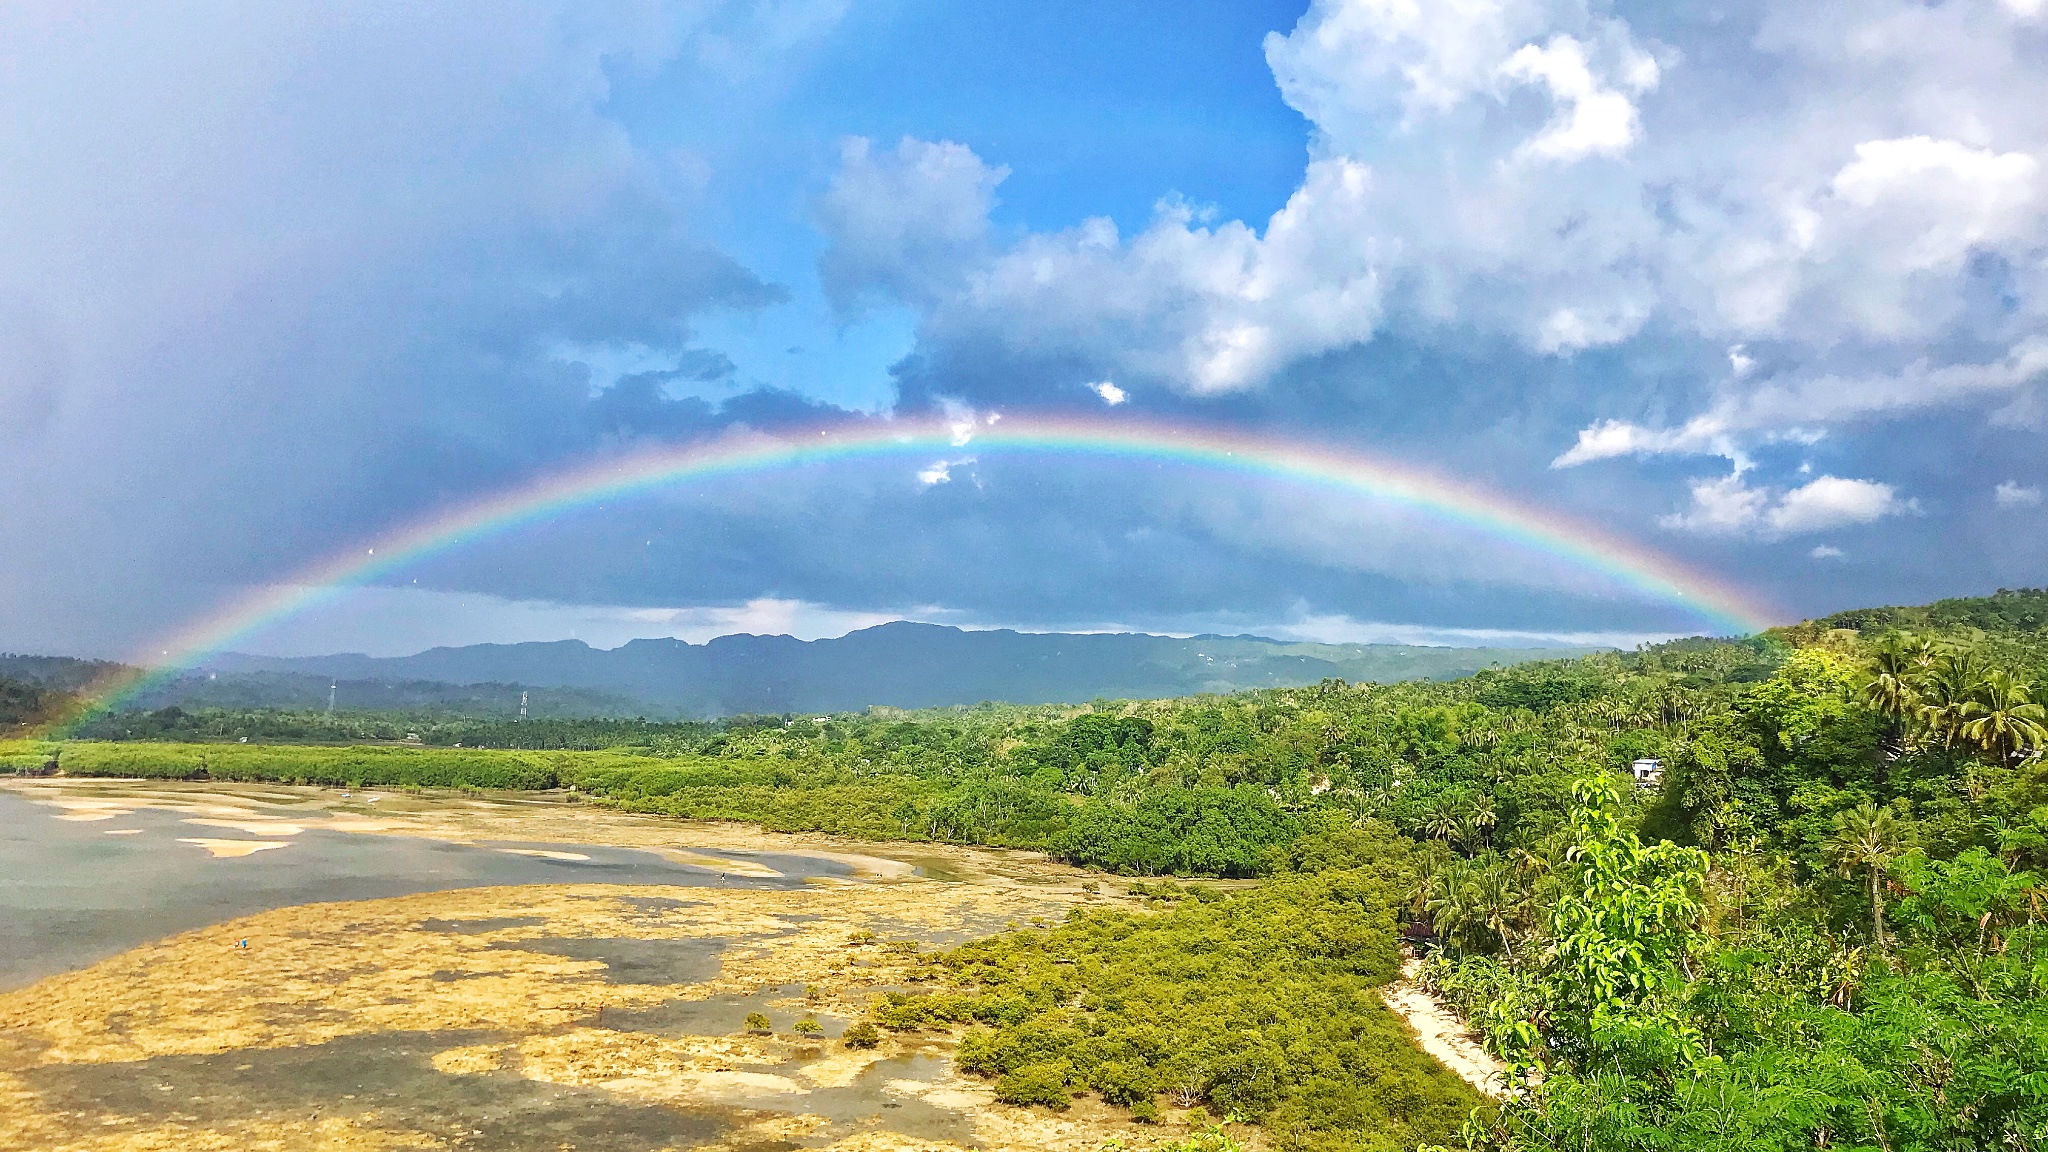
(1762, 286)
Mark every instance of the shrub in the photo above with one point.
(808, 1027)
(759, 1023)
(1044, 1084)
(862, 1035)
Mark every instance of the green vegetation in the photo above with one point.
(1262, 1002)
(1821, 927)
(353, 767)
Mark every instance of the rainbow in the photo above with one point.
(1654, 577)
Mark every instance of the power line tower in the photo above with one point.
(522, 705)
(330, 696)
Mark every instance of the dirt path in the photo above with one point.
(1442, 1034)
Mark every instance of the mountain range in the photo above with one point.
(900, 664)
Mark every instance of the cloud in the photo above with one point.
(1825, 552)
(279, 281)
(1793, 409)
(941, 471)
(379, 621)
(2011, 494)
(907, 223)
(1337, 628)
(1611, 438)
(1730, 507)
(288, 275)
(1110, 393)
(1591, 118)
(1852, 202)
(1831, 502)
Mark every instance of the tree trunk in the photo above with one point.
(1876, 910)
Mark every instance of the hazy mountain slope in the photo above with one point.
(305, 692)
(903, 665)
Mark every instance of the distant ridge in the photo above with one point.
(903, 665)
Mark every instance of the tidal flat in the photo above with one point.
(453, 971)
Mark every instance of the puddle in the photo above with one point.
(383, 1080)
(631, 961)
(656, 905)
(475, 927)
(725, 1015)
(877, 1098)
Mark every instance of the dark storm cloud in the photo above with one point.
(273, 282)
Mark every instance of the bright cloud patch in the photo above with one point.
(1591, 118)
(1110, 393)
(1729, 507)
(941, 471)
(2011, 494)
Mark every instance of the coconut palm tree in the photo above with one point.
(1868, 837)
(1480, 819)
(1893, 691)
(1444, 820)
(1951, 681)
(1451, 905)
(1498, 902)
(2002, 719)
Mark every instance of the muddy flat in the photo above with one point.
(462, 972)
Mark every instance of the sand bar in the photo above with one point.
(229, 849)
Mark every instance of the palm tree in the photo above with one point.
(1450, 905)
(1480, 819)
(1951, 681)
(2002, 718)
(1443, 820)
(1498, 902)
(1867, 836)
(1893, 692)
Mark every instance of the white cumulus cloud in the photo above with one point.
(1829, 192)
(1729, 506)
(2012, 494)
(1591, 118)
(941, 471)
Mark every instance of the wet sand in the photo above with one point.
(605, 1018)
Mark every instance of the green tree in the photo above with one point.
(1867, 837)
(2002, 719)
(1624, 923)
(1893, 690)
(1948, 686)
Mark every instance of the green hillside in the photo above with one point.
(1820, 927)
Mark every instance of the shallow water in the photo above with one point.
(71, 893)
